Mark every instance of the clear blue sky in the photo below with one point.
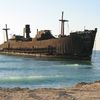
(44, 14)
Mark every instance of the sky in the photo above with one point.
(45, 14)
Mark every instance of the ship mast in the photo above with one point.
(6, 30)
(62, 24)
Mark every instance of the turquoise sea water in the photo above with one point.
(27, 72)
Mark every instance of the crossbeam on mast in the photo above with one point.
(62, 24)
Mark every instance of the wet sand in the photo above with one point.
(81, 91)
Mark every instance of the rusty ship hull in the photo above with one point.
(77, 45)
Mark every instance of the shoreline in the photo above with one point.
(81, 91)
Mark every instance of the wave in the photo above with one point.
(21, 78)
(73, 65)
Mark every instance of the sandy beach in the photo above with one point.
(81, 91)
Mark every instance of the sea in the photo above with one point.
(35, 72)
